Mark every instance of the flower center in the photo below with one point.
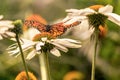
(47, 47)
(97, 19)
(18, 27)
(44, 37)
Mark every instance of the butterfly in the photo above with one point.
(54, 29)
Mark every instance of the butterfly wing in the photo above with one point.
(38, 18)
(60, 28)
(57, 29)
(39, 26)
(35, 21)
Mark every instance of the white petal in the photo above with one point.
(6, 23)
(55, 52)
(38, 46)
(31, 55)
(68, 43)
(67, 18)
(60, 47)
(13, 46)
(75, 19)
(4, 35)
(10, 34)
(14, 52)
(65, 39)
(38, 52)
(72, 10)
(106, 9)
(81, 12)
(26, 45)
(86, 35)
(44, 39)
(114, 18)
(3, 29)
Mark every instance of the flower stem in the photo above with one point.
(44, 66)
(94, 61)
(22, 56)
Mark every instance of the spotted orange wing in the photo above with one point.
(32, 23)
(60, 28)
(35, 21)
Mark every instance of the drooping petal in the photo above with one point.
(106, 9)
(55, 52)
(83, 31)
(60, 47)
(85, 35)
(13, 46)
(14, 52)
(114, 18)
(26, 45)
(31, 55)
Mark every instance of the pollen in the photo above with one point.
(22, 76)
(96, 7)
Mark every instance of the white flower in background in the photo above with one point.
(5, 25)
(37, 47)
(96, 17)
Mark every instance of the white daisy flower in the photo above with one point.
(5, 25)
(96, 17)
(37, 47)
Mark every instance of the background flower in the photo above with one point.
(5, 25)
(96, 17)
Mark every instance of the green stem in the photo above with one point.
(94, 61)
(44, 66)
(22, 56)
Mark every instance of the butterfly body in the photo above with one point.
(48, 28)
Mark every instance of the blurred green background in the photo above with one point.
(108, 60)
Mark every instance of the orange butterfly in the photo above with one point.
(55, 29)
